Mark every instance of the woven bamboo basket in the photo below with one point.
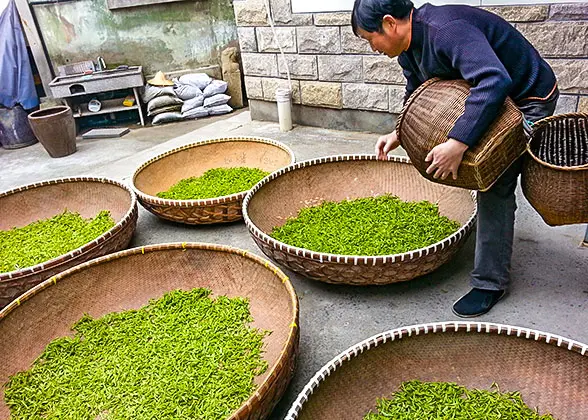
(165, 170)
(87, 196)
(550, 371)
(129, 279)
(429, 115)
(282, 194)
(555, 174)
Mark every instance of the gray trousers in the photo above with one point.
(496, 215)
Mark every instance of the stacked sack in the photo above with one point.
(191, 96)
(210, 99)
(162, 103)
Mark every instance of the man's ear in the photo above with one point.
(388, 22)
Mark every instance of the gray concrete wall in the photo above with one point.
(167, 37)
(332, 68)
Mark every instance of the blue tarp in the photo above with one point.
(16, 77)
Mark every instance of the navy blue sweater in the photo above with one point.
(464, 42)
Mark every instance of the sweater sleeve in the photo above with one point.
(468, 51)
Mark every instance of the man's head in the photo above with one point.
(385, 24)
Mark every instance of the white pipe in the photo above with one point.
(282, 55)
(283, 95)
(283, 98)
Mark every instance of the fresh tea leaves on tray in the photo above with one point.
(183, 356)
(214, 183)
(46, 239)
(366, 226)
(441, 400)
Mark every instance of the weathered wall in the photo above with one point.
(168, 37)
(331, 68)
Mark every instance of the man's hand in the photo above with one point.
(445, 159)
(386, 144)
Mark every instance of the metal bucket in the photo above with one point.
(15, 130)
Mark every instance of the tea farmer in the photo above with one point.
(463, 42)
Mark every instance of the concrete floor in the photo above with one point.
(550, 272)
(32, 164)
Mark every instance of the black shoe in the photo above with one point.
(477, 302)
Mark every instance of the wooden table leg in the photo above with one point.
(140, 107)
(70, 103)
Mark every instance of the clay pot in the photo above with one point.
(55, 128)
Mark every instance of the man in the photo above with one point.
(463, 42)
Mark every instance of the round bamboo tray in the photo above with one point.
(129, 279)
(555, 171)
(282, 194)
(87, 196)
(550, 371)
(430, 114)
(165, 170)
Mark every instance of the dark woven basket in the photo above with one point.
(550, 371)
(555, 174)
(282, 195)
(165, 170)
(87, 196)
(129, 279)
(429, 115)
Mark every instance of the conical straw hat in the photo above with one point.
(160, 80)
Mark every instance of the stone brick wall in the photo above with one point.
(331, 68)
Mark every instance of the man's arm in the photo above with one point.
(468, 51)
(389, 142)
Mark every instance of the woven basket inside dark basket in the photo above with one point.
(129, 279)
(555, 174)
(165, 170)
(284, 193)
(87, 196)
(430, 114)
(551, 372)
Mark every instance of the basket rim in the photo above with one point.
(434, 327)
(153, 200)
(293, 326)
(54, 262)
(341, 258)
(409, 102)
(546, 121)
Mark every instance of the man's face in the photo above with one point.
(391, 40)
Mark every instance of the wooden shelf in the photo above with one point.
(108, 106)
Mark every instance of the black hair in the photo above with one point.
(369, 14)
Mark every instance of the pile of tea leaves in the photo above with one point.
(366, 226)
(46, 239)
(441, 400)
(215, 182)
(183, 356)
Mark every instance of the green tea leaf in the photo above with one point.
(46, 239)
(216, 182)
(183, 356)
(418, 400)
(381, 225)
